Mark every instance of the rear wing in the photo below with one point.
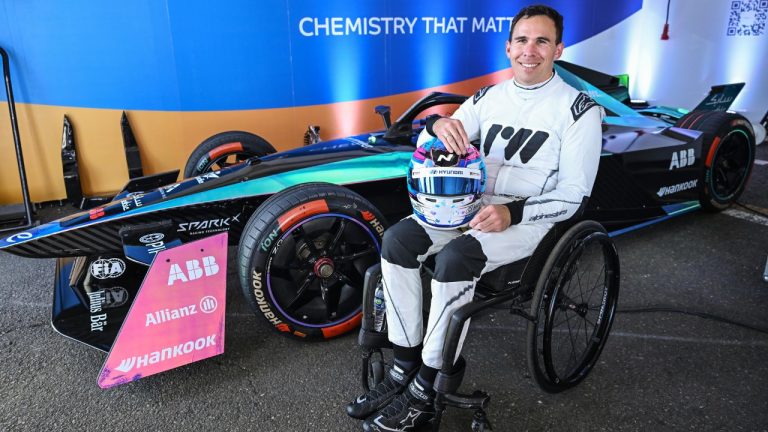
(720, 97)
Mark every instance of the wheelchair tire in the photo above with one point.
(225, 149)
(302, 258)
(573, 304)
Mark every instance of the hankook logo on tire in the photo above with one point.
(151, 238)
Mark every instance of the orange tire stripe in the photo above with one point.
(340, 329)
(224, 149)
(712, 149)
(299, 212)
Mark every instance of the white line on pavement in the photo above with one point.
(746, 216)
(754, 343)
(760, 162)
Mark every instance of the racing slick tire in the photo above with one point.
(573, 306)
(728, 152)
(303, 256)
(225, 149)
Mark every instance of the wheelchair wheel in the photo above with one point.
(574, 303)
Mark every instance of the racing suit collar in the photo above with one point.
(534, 91)
(534, 86)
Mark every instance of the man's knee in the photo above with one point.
(404, 242)
(461, 260)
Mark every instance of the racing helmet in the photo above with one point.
(445, 188)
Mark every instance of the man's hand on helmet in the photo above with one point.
(492, 218)
(451, 132)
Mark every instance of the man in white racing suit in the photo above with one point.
(541, 140)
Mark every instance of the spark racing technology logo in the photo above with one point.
(669, 190)
(107, 268)
(208, 226)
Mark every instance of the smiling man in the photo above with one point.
(541, 141)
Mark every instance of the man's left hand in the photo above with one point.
(492, 218)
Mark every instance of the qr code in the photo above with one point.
(747, 18)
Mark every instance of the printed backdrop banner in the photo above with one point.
(188, 55)
(178, 315)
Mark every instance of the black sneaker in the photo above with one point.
(378, 397)
(406, 412)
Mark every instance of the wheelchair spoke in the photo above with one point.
(597, 280)
(578, 277)
(570, 339)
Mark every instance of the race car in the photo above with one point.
(308, 222)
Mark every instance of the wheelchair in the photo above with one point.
(567, 290)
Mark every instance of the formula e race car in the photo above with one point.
(309, 221)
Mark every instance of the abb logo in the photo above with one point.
(682, 158)
(194, 271)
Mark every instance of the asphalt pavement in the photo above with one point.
(660, 371)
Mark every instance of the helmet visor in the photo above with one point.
(446, 181)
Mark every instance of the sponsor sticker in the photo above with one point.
(108, 268)
(177, 316)
(19, 236)
(470, 173)
(682, 158)
(208, 226)
(151, 238)
(669, 190)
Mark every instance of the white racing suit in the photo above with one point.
(541, 147)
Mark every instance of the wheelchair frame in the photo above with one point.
(540, 279)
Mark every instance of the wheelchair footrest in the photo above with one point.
(477, 400)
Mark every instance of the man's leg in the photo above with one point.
(406, 245)
(458, 266)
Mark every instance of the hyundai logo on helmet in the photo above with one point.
(443, 158)
(445, 188)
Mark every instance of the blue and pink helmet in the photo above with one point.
(445, 188)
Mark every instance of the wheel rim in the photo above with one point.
(577, 322)
(226, 160)
(316, 269)
(730, 165)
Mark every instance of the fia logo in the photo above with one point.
(107, 268)
(210, 268)
(682, 158)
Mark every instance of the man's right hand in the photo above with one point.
(451, 132)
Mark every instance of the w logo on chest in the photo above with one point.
(530, 141)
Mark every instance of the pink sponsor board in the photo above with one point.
(178, 315)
